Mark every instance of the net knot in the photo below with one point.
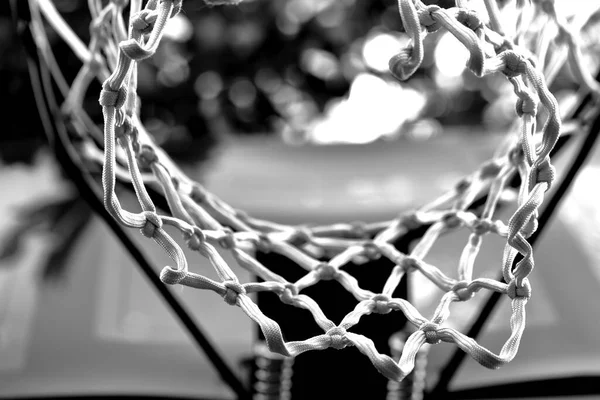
(146, 156)
(371, 250)
(112, 98)
(430, 329)
(337, 336)
(544, 172)
(380, 304)
(482, 226)
(426, 18)
(301, 236)
(409, 264)
(326, 272)
(232, 290)
(470, 19)
(96, 63)
(198, 194)
(451, 220)
(526, 104)
(99, 30)
(410, 221)
(505, 45)
(462, 292)
(523, 291)
(172, 276)
(196, 239)
(490, 169)
(462, 185)
(227, 241)
(142, 21)
(516, 155)
(359, 229)
(125, 129)
(153, 222)
(514, 64)
(264, 243)
(289, 292)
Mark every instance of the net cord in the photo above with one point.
(87, 187)
(585, 149)
(532, 164)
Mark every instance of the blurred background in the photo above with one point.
(302, 70)
(265, 102)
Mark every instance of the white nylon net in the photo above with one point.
(207, 223)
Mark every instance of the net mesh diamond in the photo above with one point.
(210, 226)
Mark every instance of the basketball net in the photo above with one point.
(207, 223)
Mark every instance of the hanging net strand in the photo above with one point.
(210, 226)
